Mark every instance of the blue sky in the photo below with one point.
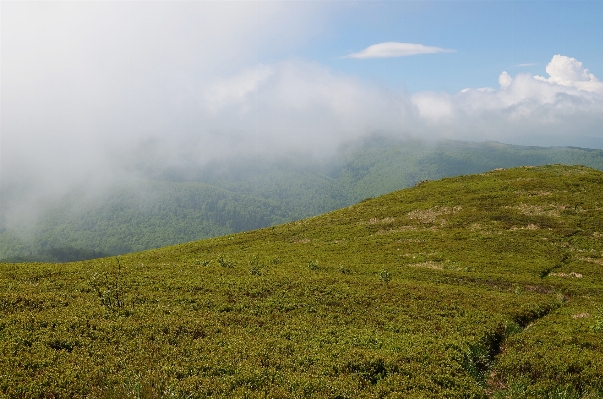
(488, 36)
(87, 87)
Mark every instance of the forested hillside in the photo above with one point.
(147, 215)
(164, 207)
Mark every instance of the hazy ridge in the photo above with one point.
(165, 206)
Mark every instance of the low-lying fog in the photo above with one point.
(95, 93)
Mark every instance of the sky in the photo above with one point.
(90, 89)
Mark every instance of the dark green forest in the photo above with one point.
(169, 206)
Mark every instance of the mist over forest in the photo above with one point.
(275, 105)
(156, 205)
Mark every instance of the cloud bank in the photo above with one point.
(97, 92)
(396, 49)
(300, 105)
(564, 109)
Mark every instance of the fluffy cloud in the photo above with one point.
(566, 71)
(564, 109)
(94, 92)
(505, 80)
(297, 105)
(225, 92)
(395, 49)
(305, 106)
(83, 80)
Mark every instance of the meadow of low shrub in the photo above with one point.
(476, 286)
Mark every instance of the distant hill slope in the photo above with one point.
(479, 286)
(134, 218)
(245, 194)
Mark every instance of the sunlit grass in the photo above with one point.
(455, 288)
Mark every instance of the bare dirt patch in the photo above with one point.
(571, 275)
(530, 226)
(431, 215)
(552, 210)
(429, 265)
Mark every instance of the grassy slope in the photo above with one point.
(248, 194)
(475, 286)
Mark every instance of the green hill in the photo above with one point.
(475, 286)
(180, 205)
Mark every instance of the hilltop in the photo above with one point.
(169, 206)
(476, 286)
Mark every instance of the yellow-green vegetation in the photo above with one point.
(470, 287)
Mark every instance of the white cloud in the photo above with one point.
(303, 106)
(229, 91)
(306, 106)
(396, 49)
(86, 84)
(566, 71)
(504, 80)
(562, 110)
(434, 106)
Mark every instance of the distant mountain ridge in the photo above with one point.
(186, 204)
